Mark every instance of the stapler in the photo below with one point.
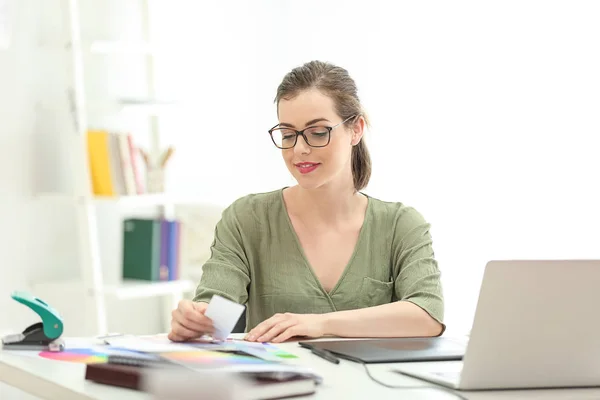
(43, 335)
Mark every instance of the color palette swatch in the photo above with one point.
(202, 360)
(263, 350)
(84, 356)
(208, 358)
(277, 351)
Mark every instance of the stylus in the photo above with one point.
(324, 354)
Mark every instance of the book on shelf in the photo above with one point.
(114, 164)
(151, 249)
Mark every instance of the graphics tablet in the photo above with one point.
(393, 349)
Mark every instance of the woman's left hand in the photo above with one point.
(281, 327)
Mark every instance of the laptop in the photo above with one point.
(536, 325)
(392, 350)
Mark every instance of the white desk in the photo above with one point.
(54, 380)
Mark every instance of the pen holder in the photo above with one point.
(155, 170)
(155, 180)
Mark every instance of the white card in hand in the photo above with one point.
(224, 315)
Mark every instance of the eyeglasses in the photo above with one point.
(314, 136)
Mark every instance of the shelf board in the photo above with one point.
(128, 289)
(122, 47)
(147, 107)
(140, 200)
(139, 289)
(132, 47)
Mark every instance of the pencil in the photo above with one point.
(167, 155)
(145, 157)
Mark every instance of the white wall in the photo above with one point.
(484, 118)
(19, 76)
(485, 115)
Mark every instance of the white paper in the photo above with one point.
(224, 314)
(135, 343)
(5, 27)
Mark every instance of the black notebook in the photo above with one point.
(392, 350)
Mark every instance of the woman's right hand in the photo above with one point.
(189, 322)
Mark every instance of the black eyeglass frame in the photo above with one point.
(301, 133)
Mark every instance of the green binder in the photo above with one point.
(141, 249)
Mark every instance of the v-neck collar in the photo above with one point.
(300, 249)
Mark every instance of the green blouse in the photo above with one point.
(256, 259)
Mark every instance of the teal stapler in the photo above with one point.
(43, 335)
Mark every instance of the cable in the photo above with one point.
(447, 390)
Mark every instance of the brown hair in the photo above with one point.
(335, 82)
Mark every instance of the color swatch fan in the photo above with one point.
(88, 355)
(211, 359)
(84, 356)
(203, 360)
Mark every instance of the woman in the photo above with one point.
(320, 258)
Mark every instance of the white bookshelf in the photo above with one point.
(160, 202)
(74, 293)
(98, 283)
(139, 289)
(146, 107)
(126, 290)
(121, 47)
(141, 200)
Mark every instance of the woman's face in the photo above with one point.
(314, 167)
